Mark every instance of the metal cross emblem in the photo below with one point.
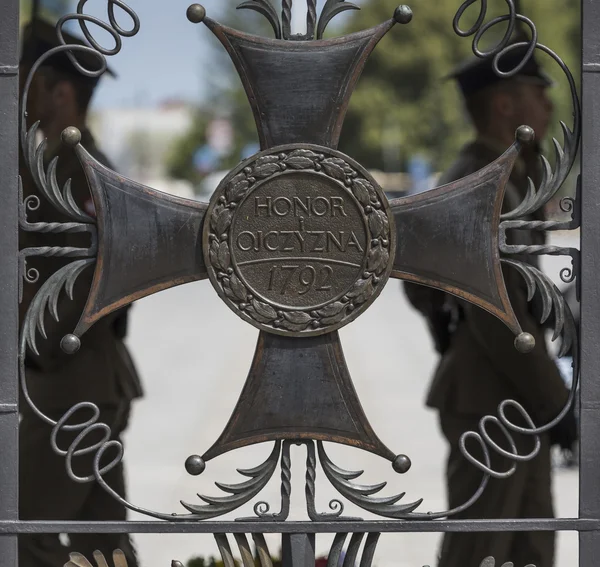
(298, 240)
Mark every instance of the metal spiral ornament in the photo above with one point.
(34, 155)
(215, 506)
(47, 297)
(567, 204)
(31, 203)
(552, 300)
(564, 325)
(565, 155)
(569, 274)
(480, 28)
(31, 275)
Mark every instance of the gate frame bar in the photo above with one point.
(588, 523)
(9, 246)
(589, 482)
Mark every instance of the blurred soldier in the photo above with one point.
(479, 366)
(102, 371)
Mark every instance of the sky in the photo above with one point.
(164, 60)
(170, 58)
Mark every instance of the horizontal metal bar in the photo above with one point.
(591, 67)
(9, 408)
(9, 70)
(561, 524)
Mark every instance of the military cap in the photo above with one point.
(39, 37)
(478, 73)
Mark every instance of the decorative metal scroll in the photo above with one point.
(298, 241)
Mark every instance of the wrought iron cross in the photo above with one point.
(298, 241)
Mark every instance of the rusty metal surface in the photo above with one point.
(299, 390)
(150, 241)
(299, 90)
(298, 241)
(448, 238)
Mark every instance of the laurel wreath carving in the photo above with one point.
(220, 255)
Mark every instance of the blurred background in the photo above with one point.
(177, 119)
(177, 116)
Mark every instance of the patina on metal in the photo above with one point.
(299, 241)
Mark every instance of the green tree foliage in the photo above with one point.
(180, 158)
(403, 104)
(226, 99)
(403, 88)
(50, 10)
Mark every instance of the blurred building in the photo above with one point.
(138, 139)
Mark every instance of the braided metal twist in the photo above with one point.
(311, 19)
(286, 18)
(262, 508)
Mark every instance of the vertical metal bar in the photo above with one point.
(589, 486)
(9, 417)
(298, 550)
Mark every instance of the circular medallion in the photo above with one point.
(299, 241)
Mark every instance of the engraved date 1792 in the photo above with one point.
(300, 280)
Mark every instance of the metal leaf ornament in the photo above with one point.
(47, 299)
(78, 560)
(265, 8)
(331, 9)
(46, 181)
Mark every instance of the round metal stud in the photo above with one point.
(195, 465)
(196, 13)
(403, 14)
(401, 464)
(70, 344)
(176, 563)
(525, 343)
(525, 134)
(71, 136)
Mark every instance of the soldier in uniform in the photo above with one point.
(102, 371)
(479, 365)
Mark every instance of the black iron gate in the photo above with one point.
(298, 241)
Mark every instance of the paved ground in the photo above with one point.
(194, 355)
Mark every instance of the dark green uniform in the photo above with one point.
(102, 372)
(478, 369)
